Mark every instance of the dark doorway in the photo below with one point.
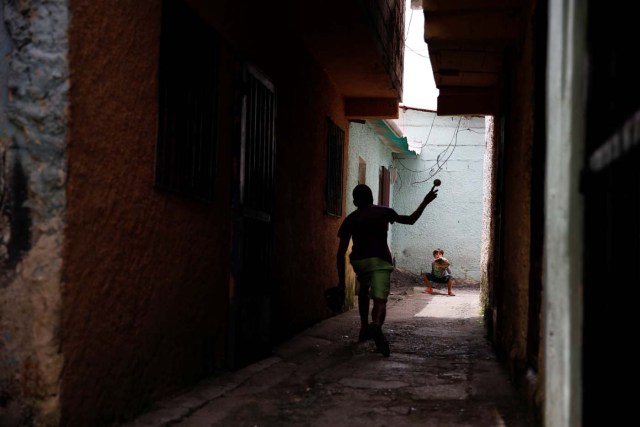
(252, 287)
(611, 189)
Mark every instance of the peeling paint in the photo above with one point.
(33, 90)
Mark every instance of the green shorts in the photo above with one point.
(374, 273)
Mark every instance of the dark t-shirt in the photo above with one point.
(368, 228)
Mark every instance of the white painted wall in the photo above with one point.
(452, 150)
(364, 143)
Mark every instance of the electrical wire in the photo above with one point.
(438, 166)
(406, 33)
(416, 52)
(441, 158)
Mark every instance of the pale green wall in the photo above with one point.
(364, 143)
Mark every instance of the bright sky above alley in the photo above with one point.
(419, 89)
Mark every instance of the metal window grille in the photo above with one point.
(188, 96)
(258, 156)
(335, 153)
(257, 174)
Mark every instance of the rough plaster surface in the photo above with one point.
(488, 220)
(452, 150)
(365, 144)
(305, 236)
(513, 299)
(32, 142)
(146, 272)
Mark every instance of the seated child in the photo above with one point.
(440, 272)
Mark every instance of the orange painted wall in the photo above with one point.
(305, 241)
(146, 273)
(305, 236)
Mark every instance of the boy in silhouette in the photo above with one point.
(371, 259)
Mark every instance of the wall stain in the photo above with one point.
(16, 215)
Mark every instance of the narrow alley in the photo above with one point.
(441, 372)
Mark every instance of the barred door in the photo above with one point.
(253, 231)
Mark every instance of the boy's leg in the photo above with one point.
(363, 310)
(379, 312)
(378, 315)
(380, 288)
(429, 289)
(376, 273)
(450, 286)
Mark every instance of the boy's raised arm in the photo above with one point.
(411, 219)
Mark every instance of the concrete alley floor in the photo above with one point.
(441, 372)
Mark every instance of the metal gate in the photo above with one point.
(253, 225)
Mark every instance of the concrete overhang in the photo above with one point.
(371, 108)
(467, 42)
(358, 44)
(363, 61)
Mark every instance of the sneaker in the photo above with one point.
(382, 345)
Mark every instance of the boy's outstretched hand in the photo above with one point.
(411, 219)
(431, 195)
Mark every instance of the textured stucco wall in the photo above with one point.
(453, 221)
(33, 138)
(145, 277)
(306, 242)
(305, 237)
(487, 262)
(146, 272)
(513, 296)
(364, 143)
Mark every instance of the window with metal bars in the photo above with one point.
(188, 97)
(335, 153)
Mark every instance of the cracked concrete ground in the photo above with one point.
(441, 372)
